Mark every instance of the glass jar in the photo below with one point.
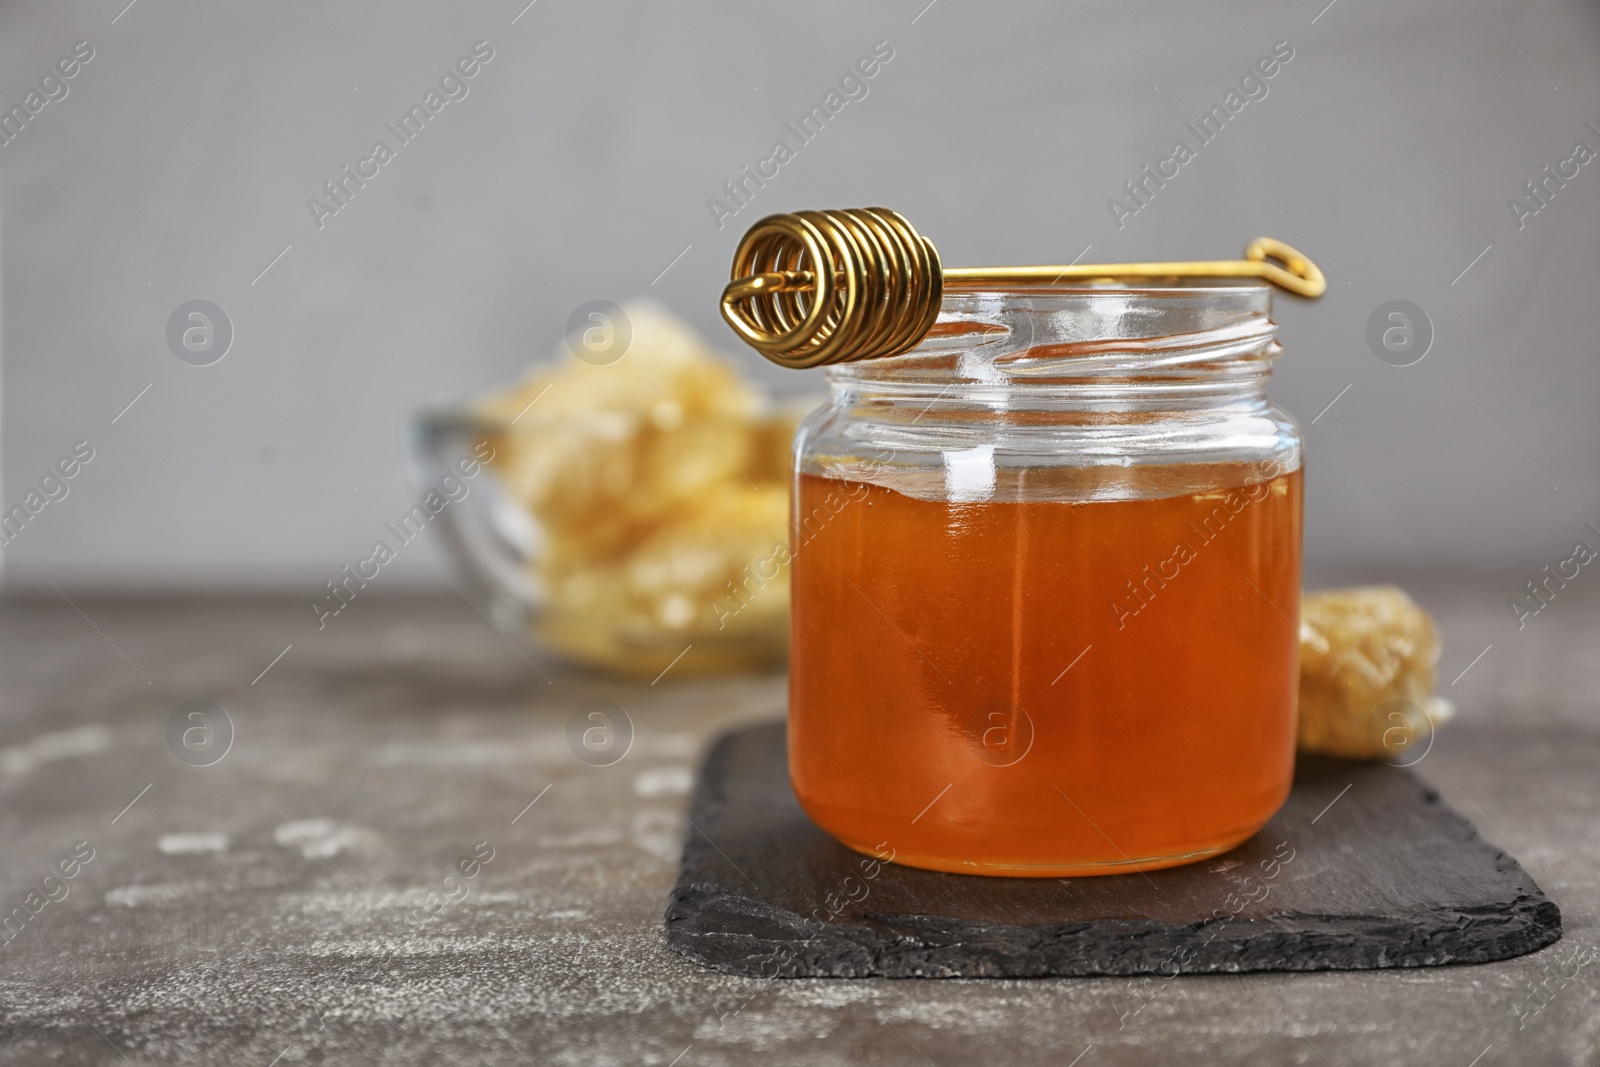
(1046, 578)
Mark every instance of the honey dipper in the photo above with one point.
(881, 283)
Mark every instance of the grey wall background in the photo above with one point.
(180, 162)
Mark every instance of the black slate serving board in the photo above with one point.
(1388, 876)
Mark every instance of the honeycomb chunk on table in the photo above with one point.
(1367, 658)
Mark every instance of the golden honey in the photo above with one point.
(1045, 688)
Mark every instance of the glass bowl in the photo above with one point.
(624, 543)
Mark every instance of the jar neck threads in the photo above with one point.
(1089, 350)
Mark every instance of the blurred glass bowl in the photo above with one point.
(609, 579)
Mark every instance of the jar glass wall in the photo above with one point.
(1046, 572)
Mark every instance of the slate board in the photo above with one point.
(1389, 877)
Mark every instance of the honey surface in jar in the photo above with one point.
(1044, 688)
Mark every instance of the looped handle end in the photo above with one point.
(1297, 273)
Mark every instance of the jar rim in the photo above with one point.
(1086, 334)
(1206, 285)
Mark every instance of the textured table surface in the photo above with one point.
(276, 904)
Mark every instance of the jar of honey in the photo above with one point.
(1046, 578)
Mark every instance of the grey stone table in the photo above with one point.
(399, 860)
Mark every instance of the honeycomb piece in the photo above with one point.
(721, 570)
(612, 451)
(659, 484)
(1367, 660)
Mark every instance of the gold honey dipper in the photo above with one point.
(818, 287)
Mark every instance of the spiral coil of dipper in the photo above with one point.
(819, 287)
